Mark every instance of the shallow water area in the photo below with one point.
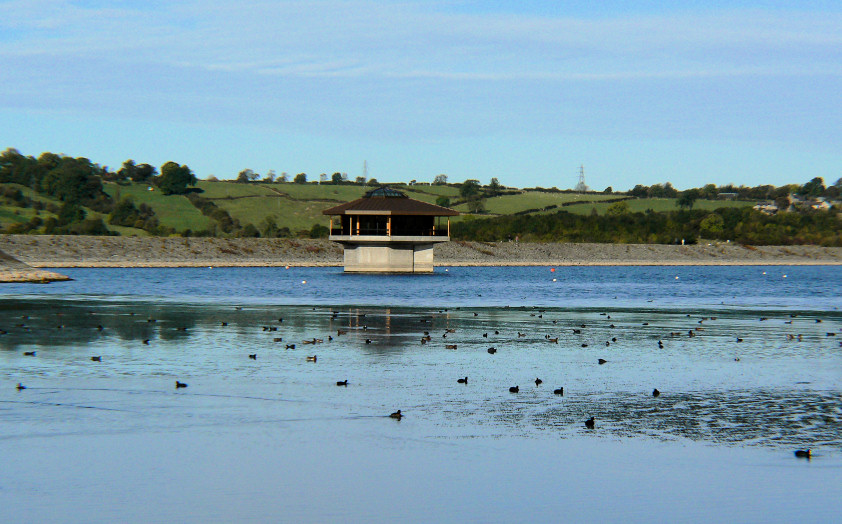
(747, 368)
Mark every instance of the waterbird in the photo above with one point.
(538, 381)
(29, 353)
(253, 356)
(491, 351)
(223, 324)
(496, 332)
(99, 327)
(739, 339)
(462, 380)
(278, 339)
(180, 385)
(397, 415)
(803, 453)
(290, 346)
(485, 335)
(342, 382)
(368, 341)
(20, 386)
(96, 359)
(660, 345)
(312, 359)
(450, 346)
(559, 391)
(519, 334)
(584, 345)
(589, 423)
(553, 340)
(655, 392)
(514, 389)
(602, 361)
(146, 341)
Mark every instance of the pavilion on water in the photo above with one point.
(385, 231)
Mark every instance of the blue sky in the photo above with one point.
(639, 92)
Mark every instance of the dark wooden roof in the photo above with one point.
(387, 201)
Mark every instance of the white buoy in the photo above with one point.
(554, 280)
(784, 276)
(676, 278)
(303, 281)
(286, 267)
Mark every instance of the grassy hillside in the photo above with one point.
(299, 206)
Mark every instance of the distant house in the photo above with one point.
(726, 196)
(769, 208)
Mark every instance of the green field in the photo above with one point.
(508, 204)
(299, 206)
(173, 211)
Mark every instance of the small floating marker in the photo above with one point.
(764, 272)
(784, 276)
(676, 278)
(303, 281)
(286, 267)
(552, 270)
(446, 270)
(554, 280)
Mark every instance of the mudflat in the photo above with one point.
(38, 251)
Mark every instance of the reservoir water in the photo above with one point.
(747, 361)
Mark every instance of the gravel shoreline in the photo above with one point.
(82, 251)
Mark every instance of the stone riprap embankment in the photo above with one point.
(82, 251)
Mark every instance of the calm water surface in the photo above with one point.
(274, 439)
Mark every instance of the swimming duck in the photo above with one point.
(463, 380)
(342, 382)
(655, 392)
(589, 423)
(803, 453)
(180, 385)
(514, 389)
(397, 415)
(96, 359)
(312, 359)
(253, 356)
(602, 361)
(559, 391)
(491, 351)
(538, 381)
(20, 386)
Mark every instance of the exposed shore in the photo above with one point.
(39, 251)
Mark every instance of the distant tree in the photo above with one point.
(782, 202)
(249, 231)
(813, 188)
(270, 176)
(127, 171)
(712, 226)
(360, 180)
(373, 182)
(838, 183)
(440, 180)
(319, 231)
(617, 208)
(175, 178)
(283, 178)
(300, 178)
(212, 178)
(247, 175)
(639, 191)
(687, 199)
(336, 178)
(476, 205)
(469, 189)
(494, 187)
(443, 201)
(143, 173)
(608, 190)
